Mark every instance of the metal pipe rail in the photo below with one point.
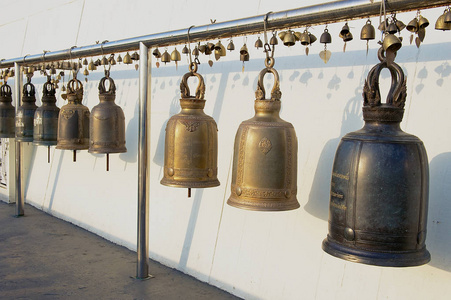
(311, 15)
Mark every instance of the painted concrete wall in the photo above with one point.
(251, 254)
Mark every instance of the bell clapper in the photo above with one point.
(107, 161)
(189, 192)
(48, 154)
(75, 155)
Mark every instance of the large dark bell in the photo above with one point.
(379, 187)
(73, 120)
(25, 114)
(46, 118)
(7, 113)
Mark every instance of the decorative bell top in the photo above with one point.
(5, 93)
(74, 91)
(29, 92)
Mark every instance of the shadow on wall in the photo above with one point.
(318, 204)
(439, 224)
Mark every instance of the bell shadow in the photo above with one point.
(131, 138)
(318, 204)
(438, 239)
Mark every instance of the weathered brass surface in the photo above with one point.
(7, 113)
(191, 143)
(25, 113)
(441, 23)
(391, 43)
(264, 175)
(73, 120)
(46, 117)
(107, 122)
(368, 32)
(379, 187)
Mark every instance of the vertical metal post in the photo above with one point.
(18, 156)
(142, 269)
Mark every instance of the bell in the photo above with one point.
(325, 38)
(441, 24)
(104, 61)
(196, 51)
(175, 55)
(92, 66)
(119, 58)
(258, 43)
(312, 38)
(304, 38)
(165, 57)
(231, 46)
(344, 30)
(273, 40)
(413, 25)
(191, 143)
(400, 25)
(185, 50)
(209, 48)
(244, 57)
(127, 59)
(289, 39)
(7, 113)
(392, 28)
(220, 49)
(264, 174)
(202, 48)
(107, 123)
(383, 25)
(85, 62)
(135, 56)
(368, 32)
(347, 37)
(46, 117)
(243, 50)
(447, 18)
(25, 113)
(379, 187)
(391, 43)
(73, 120)
(155, 53)
(423, 22)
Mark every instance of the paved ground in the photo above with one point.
(42, 257)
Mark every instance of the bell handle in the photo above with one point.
(74, 85)
(276, 94)
(184, 89)
(28, 89)
(112, 88)
(48, 89)
(5, 90)
(398, 90)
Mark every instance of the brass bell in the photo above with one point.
(191, 143)
(312, 38)
(258, 43)
(25, 113)
(422, 22)
(447, 18)
(347, 37)
(391, 43)
(119, 58)
(46, 117)
(325, 38)
(244, 57)
(305, 38)
(165, 57)
(383, 25)
(273, 40)
(175, 55)
(231, 46)
(73, 120)
(400, 25)
(368, 32)
(243, 50)
(220, 49)
(7, 112)
(85, 62)
(209, 48)
(107, 123)
(85, 72)
(392, 28)
(127, 59)
(413, 25)
(92, 66)
(156, 53)
(289, 39)
(196, 51)
(297, 36)
(441, 24)
(264, 174)
(344, 30)
(104, 61)
(202, 48)
(185, 50)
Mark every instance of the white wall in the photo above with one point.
(253, 255)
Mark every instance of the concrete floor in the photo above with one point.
(42, 257)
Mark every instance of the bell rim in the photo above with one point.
(100, 151)
(44, 143)
(280, 205)
(377, 258)
(190, 184)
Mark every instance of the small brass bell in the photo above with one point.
(273, 40)
(202, 48)
(231, 46)
(220, 49)
(447, 18)
(191, 142)
(107, 123)
(243, 50)
(348, 37)
(165, 57)
(175, 55)
(104, 61)
(344, 30)
(209, 48)
(85, 62)
(325, 38)
(92, 66)
(156, 53)
(86, 72)
(391, 43)
(264, 174)
(305, 38)
(73, 120)
(244, 57)
(7, 112)
(196, 51)
(368, 32)
(383, 25)
(119, 58)
(312, 38)
(392, 28)
(185, 50)
(258, 43)
(400, 25)
(289, 39)
(422, 22)
(135, 56)
(127, 59)
(413, 25)
(25, 113)
(441, 24)
(297, 36)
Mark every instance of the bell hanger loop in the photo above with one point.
(189, 48)
(269, 61)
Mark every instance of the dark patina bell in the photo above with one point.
(191, 143)
(25, 113)
(379, 187)
(7, 113)
(264, 175)
(107, 122)
(46, 118)
(73, 120)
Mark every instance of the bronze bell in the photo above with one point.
(400, 25)
(312, 38)
(422, 22)
(258, 43)
(379, 187)
(220, 49)
(344, 30)
(304, 38)
(175, 55)
(127, 59)
(196, 51)
(325, 38)
(73, 120)
(165, 57)
(231, 46)
(289, 39)
(244, 57)
(156, 53)
(441, 24)
(25, 113)
(7, 113)
(46, 117)
(273, 40)
(413, 25)
(185, 50)
(392, 28)
(368, 32)
(347, 37)
(391, 43)
(191, 143)
(447, 18)
(244, 50)
(107, 122)
(264, 175)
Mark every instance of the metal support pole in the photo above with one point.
(18, 157)
(142, 268)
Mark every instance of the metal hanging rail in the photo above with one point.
(330, 12)
(311, 15)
